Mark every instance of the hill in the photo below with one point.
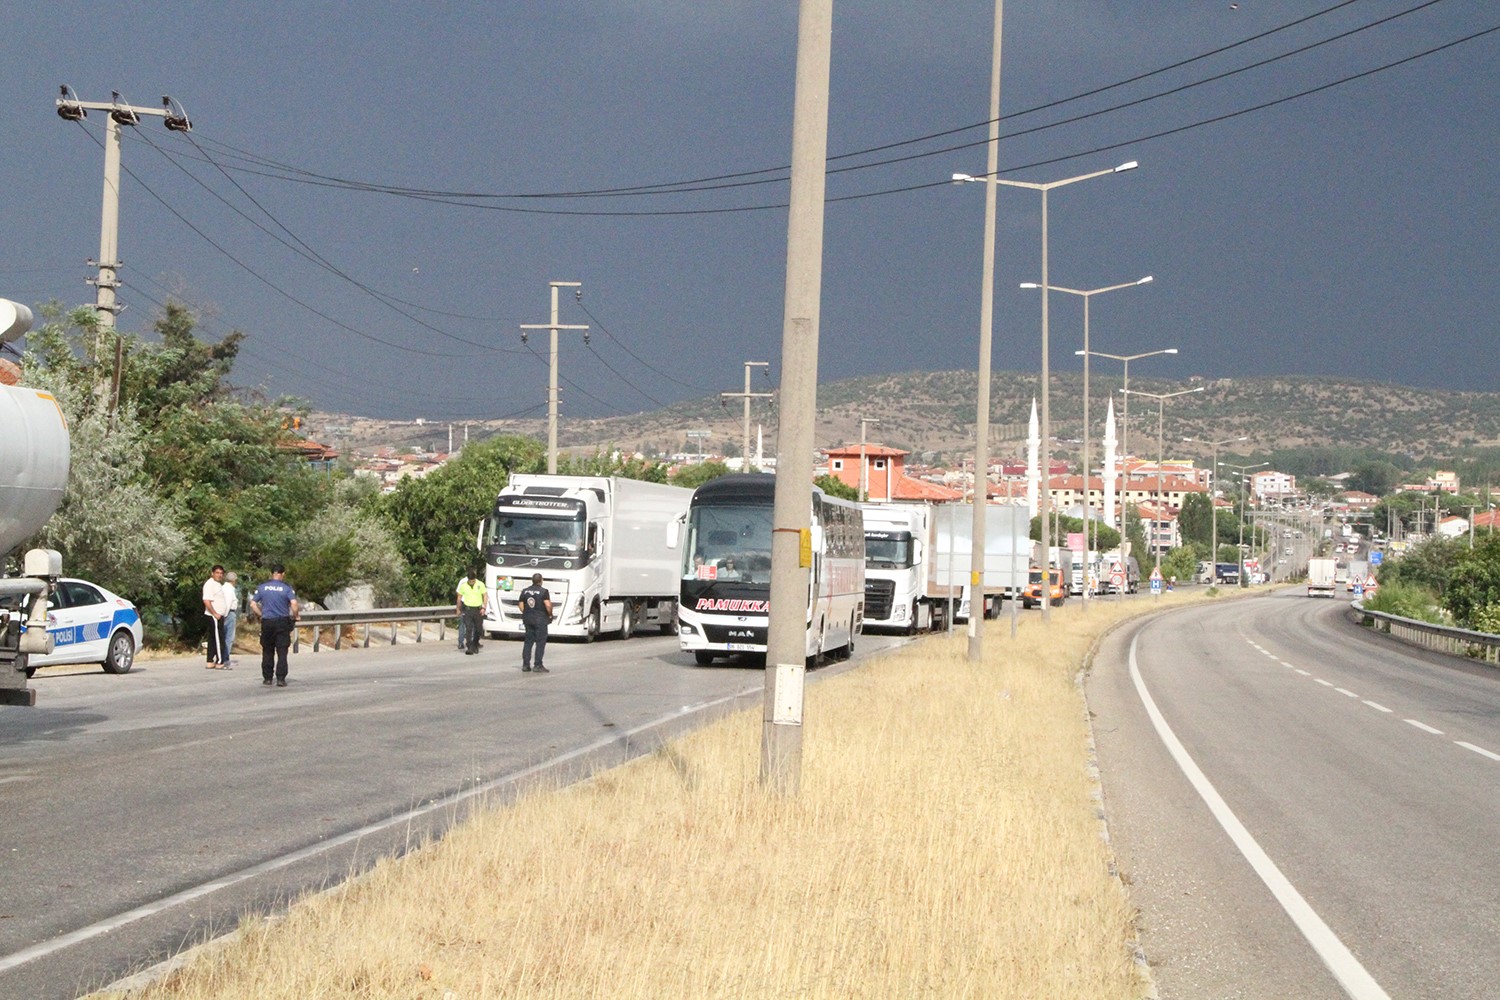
(931, 414)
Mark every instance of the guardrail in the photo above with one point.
(317, 621)
(1483, 646)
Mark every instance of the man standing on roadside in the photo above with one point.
(473, 601)
(216, 607)
(536, 615)
(276, 603)
(232, 616)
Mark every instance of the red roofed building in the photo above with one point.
(885, 474)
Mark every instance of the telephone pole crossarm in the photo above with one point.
(747, 396)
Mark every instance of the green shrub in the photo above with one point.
(1408, 600)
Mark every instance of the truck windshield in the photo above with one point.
(534, 535)
(888, 551)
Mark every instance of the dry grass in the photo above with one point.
(945, 844)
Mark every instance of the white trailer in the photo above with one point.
(901, 589)
(1320, 577)
(601, 544)
(1007, 554)
(34, 462)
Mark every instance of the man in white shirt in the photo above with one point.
(216, 607)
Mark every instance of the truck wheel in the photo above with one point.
(591, 631)
(121, 655)
(627, 621)
(703, 657)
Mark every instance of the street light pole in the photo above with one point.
(1213, 507)
(1161, 404)
(552, 389)
(1087, 506)
(1046, 491)
(1244, 471)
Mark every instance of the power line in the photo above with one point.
(626, 348)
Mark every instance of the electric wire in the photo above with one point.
(626, 348)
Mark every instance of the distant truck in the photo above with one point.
(1007, 554)
(901, 589)
(1359, 572)
(601, 545)
(1130, 569)
(34, 462)
(1320, 577)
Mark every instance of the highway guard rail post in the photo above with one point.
(317, 621)
(1484, 646)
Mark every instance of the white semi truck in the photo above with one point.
(1007, 555)
(1321, 576)
(601, 545)
(901, 589)
(34, 459)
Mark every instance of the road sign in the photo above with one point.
(1156, 584)
(1156, 574)
(1117, 575)
(1376, 558)
(1359, 589)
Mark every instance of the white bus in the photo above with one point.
(724, 604)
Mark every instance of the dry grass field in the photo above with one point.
(946, 843)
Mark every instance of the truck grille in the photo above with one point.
(879, 595)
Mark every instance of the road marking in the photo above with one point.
(1351, 975)
(1346, 692)
(1304, 673)
(108, 924)
(1327, 684)
(1479, 750)
(1377, 707)
(1423, 726)
(18, 777)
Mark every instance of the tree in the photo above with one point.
(1180, 563)
(1375, 478)
(1196, 519)
(1473, 589)
(693, 476)
(435, 519)
(1429, 565)
(836, 487)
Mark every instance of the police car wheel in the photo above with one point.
(121, 655)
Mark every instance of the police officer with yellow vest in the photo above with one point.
(473, 600)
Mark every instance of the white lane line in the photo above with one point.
(1479, 750)
(1376, 706)
(1289, 666)
(108, 924)
(1346, 692)
(1327, 684)
(1351, 975)
(1304, 673)
(1423, 726)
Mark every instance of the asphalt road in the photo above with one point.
(1362, 775)
(145, 812)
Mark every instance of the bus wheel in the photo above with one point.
(703, 657)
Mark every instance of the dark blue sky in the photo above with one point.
(1351, 232)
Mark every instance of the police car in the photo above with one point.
(89, 624)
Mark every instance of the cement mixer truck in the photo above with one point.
(33, 475)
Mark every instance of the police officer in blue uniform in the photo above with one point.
(536, 614)
(276, 603)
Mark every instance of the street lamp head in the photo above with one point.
(1170, 350)
(963, 178)
(1126, 166)
(1146, 280)
(1030, 284)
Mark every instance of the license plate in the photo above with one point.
(743, 647)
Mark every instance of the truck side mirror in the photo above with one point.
(674, 531)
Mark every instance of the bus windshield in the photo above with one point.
(728, 543)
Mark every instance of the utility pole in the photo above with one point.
(553, 327)
(864, 463)
(70, 108)
(747, 395)
(791, 524)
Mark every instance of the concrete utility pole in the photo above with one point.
(747, 395)
(791, 525)
(70, 108)
(553, 327)
(864, 463)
